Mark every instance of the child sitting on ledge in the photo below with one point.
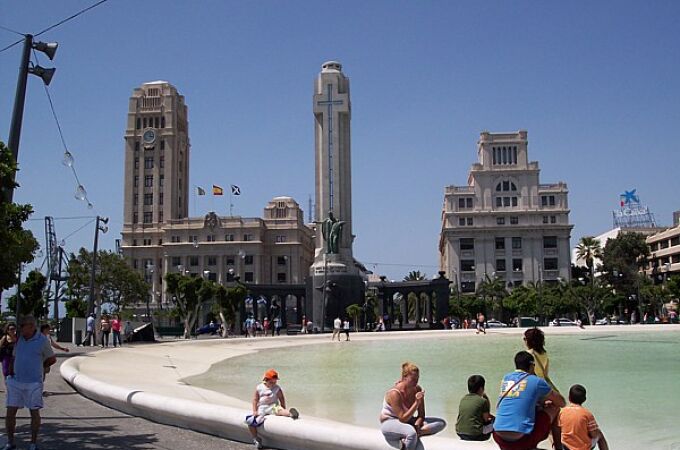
(268, 399)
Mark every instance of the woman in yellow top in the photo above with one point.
(534, 339)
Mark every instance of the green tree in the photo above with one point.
(227, 303)
(354, 311)
(31, 292)
(186, 294)
(622, 257)
(18, 245)
(117, 285)
(522, 301)
(589, 249)
(493, 290)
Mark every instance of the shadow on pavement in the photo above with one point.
(72, 436)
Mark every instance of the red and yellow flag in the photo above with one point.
(217, 190)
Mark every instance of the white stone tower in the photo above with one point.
(335, 279)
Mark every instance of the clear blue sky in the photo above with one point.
(594, 83)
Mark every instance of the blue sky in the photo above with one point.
(594, 83)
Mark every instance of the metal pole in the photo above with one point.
(325, 287)
(91, 307)
(19, 293)
(18, 113)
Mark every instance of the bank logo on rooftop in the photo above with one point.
(632, 213)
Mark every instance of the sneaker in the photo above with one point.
(258, 442)
(294, 413)
(9, 446)
(33, 447)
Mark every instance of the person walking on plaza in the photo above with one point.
(526, 408)
(345, 329)
(579, 428)
(105, 326)
(403, 419)
(90, 336)
(337, 324)
(303, 325)
(475, 421)
(115, 328)
(268, 399)
(7, 348)
(481, 323)
(32, 356)
(127, 331)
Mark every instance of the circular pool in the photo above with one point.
(631, 376)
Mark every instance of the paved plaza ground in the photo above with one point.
(71, 421)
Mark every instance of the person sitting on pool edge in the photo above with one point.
(402, 419)
(268, 399)
(520, 423)
(475, 422)
(579, 428)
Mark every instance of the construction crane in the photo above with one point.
(56, 264)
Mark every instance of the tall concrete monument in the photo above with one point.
(335, 280)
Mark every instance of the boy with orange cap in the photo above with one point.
(268, 399)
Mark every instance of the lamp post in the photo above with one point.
(151, 269)
(25, 68)
(103, 228)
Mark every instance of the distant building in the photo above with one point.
(664, 259)
(159, 237)
(676, 218)
(604, 237)
(504, 223)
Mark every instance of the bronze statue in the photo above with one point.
(331, 230)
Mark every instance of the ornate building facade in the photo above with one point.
(159, 237)
(504, 223)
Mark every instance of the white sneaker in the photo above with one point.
(258, 442)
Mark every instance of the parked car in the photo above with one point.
(211, 328)
(562, 322)
(493, 323)
(602, 321)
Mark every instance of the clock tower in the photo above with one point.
(156, 157)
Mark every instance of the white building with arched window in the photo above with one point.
(504, 223)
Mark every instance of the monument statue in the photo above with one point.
(331, 229)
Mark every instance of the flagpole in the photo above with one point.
(195, 198)
(231, 204)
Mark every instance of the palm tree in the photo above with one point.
(588, 249)
(415, 304)
(354, 311)
(493, 288)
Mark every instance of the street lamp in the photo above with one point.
(100, 226)
(25, 68)
(151, 268)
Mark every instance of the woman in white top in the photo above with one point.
(402, 417)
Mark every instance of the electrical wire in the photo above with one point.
(12, 31)
(11, 45)
(74, 232)
(70, 18)
(61, 134)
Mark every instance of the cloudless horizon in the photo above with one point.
(594, 83)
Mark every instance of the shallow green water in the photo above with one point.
(633, 379)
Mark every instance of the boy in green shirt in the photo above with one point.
(474, 418)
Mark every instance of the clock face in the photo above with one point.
(149, 136)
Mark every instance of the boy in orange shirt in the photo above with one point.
(579, 428)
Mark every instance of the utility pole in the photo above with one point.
(20, 96)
